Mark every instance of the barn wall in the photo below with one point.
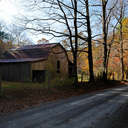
(50, 65)
(41, 65)
(58, 54)
(15, 71)
(38, 71)
(23, 71)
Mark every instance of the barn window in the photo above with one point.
(58, 66)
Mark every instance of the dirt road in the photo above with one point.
(104, 109)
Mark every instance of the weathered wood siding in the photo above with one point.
(38, 71)
(57, 54)
(23, 71)
(41, 65)
(15, 71)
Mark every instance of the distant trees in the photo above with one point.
(107, 26)
(119, 16)
(43, 40)
(5, 42)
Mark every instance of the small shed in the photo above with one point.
(34, 63)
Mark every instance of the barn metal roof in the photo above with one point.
(28, 53)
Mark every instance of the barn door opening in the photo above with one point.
(58, 66)
(38, 75)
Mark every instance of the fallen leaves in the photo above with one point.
(21, 98)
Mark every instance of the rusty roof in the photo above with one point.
(28, 53)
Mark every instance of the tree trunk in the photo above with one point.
(90, 56)
(75, 72)
(121, 53)
(76, 44)
(104, 3)
(121, 42)
(121, 60)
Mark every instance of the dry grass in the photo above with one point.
(19, 96)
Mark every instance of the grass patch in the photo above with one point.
(18, 95)
(21, 85)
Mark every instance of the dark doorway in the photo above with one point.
(58, 66)
(38, 75)
(70, 69)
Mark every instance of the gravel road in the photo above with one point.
(103, 109)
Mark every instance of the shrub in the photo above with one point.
(99, 77)
(58, 82)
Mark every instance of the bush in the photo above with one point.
(58, 82)
(99, 77)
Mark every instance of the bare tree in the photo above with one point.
(75, 20)
(119, 16)
(121, 39)
(90, 56)
(107, 27)
(104, 5)
(111, 40)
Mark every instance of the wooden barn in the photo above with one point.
(34, 63)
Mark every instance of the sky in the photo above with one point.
(12, 10)
(8, 9)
